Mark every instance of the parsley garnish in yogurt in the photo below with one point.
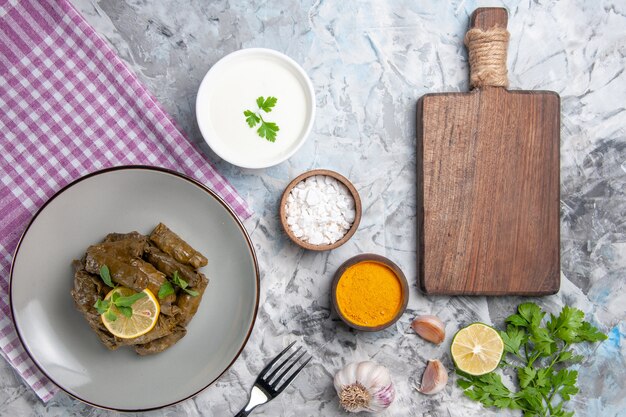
(266, 130)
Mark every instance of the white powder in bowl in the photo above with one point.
(320, 210)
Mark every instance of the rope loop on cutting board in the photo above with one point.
(487, 57)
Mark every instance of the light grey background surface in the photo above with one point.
(369, 62)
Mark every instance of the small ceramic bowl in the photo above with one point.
(357, 208)
(370, 257)
(233, 87)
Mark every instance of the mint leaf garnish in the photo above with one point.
(166, 289)
(183, 285)
(123, 305)
(128, 300)
(105, 274)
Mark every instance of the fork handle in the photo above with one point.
(242, 413)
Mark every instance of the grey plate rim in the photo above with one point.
(183, 177)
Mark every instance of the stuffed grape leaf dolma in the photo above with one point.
(159, 345)
(154, 280)
(117, 257)
(170, 243)
(188, 304)
(116, 237)
(163, 327)
(87, 289)
(168, 265)
(161, 261)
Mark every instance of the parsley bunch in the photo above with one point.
(539, 355)
(267, 130)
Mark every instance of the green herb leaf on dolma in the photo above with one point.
(126, 311)
(102, 306)
(166, 289)
(129, 300)
(105, 274)
(123, 305)
(176, 279)
(191, 292)
(110, 316)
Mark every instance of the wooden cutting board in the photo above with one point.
(488, 188)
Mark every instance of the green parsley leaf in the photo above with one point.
(166, 289)
(525, 376)
(544, 344)
(531, 313)
(588, 333)
(567, 325)
(268, 131)
(128, 300)
(517, 320)
(463, 383)
(251, 118)
(269, 103)
(568, 391)
(542, 378)
(513, 338)
(106, 276)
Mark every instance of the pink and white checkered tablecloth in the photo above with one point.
(69, 106)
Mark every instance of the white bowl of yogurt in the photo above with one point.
(232, 122)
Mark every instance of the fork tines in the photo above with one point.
(282, 374)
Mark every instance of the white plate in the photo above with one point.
(56, 335)
(233, 85)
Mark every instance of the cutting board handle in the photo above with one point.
(487, 42)
(486, 18)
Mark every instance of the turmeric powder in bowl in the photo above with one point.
(369, 292)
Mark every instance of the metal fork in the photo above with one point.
(267, 387)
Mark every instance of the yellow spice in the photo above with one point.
(369, 294)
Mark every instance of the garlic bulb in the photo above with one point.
(364, 386)
(434, 379)
(430, 328)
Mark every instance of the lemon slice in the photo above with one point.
(145, 314)
(477, 349)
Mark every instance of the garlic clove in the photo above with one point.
(374, 375)
(430, 328)
(434, 379)
(346, 376)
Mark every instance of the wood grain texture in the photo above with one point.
(488, 191)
